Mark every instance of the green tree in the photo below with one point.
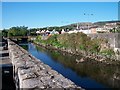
(18, 31)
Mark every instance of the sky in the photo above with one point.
(60, 0)
(45, 14)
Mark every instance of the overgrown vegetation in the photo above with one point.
(107, 52)
(76, 42)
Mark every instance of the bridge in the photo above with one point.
(18, 37)
(30, 72)
(22, 38)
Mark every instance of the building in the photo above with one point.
(63, 31)
(110, 26)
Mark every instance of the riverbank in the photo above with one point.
(86, 56)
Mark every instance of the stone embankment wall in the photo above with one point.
(113, 40)
(30, 72)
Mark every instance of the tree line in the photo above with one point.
(24, 31)
(15, 31)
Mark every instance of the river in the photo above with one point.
(89, 74)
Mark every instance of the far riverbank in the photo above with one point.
(86, 56)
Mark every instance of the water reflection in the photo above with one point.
(25, 46)
(88, 74)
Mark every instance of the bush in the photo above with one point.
(76, 42)
(107, 52)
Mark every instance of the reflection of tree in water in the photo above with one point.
(38, 48)
(41, 49)
(102, 73)
(24, 46)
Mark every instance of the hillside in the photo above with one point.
(104, 22)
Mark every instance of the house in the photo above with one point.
(73, 31)
(54, 32)
(63, 31)
(99, 29)
(37, 32)
(110, 26)
(93, 29)
(87, 31)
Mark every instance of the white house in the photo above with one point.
(38, 32)
(85, 31)
(54, 32)
(74, 31)
(63, 31)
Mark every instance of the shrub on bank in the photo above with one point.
(109, 52)
(76, 42)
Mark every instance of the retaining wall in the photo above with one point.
(30, 72)
(113, 40)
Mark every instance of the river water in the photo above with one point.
(89, 74)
